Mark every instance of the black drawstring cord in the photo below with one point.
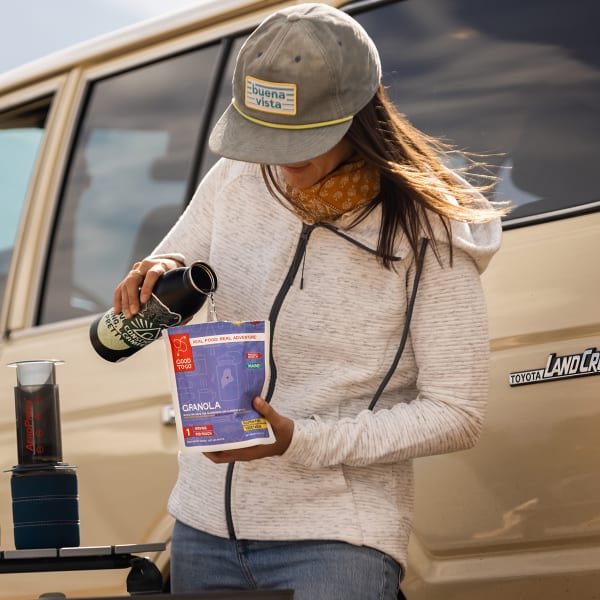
(302, 272)
(409, 312)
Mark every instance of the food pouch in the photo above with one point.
(217, 368)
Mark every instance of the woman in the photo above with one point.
(337, 221)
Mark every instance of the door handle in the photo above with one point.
(168, 414)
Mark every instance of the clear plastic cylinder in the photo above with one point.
(37, 413)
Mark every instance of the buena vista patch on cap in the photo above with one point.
(270, 97)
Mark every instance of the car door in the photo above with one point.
(125, 157)
(517, 85)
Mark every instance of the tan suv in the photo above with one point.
(102, 145)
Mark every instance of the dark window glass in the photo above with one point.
(516, 81)
(223, 100)
(21, 132)
(127, 181)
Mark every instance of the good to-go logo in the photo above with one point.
(181, 350)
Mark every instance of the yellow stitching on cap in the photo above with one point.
(282, 126)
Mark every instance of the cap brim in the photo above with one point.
(240, 139)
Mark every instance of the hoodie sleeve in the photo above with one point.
(449, 337)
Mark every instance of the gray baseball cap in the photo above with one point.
(298, 80)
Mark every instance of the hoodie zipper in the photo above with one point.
(275, 309)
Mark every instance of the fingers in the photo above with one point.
(268, 412)
(283, 428)
(136, 288)
(126, 296)
(263, 407)
(150, 277)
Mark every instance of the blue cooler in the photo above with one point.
(45, 507)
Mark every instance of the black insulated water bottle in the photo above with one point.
(177, 296)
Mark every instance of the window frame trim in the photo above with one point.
(21, 292)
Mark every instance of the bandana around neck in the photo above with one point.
(353, 185)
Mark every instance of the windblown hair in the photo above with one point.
(416, 186)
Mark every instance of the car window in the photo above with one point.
(127, 178)
(519, 84)
(21, 132)
(223, 99)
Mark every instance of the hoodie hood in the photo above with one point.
(479, 240)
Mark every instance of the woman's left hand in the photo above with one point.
(283, 428)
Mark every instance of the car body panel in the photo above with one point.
(517, 516)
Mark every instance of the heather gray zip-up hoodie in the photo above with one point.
(336, 320)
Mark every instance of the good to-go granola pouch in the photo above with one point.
(216, 369)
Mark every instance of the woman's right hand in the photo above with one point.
(144, 274)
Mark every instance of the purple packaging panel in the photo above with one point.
(216, 369)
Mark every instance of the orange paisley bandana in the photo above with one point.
(353, 185)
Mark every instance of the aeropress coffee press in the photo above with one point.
(45, 503)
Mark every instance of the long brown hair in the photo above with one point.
(416, 186)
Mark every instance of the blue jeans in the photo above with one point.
(315, 570)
